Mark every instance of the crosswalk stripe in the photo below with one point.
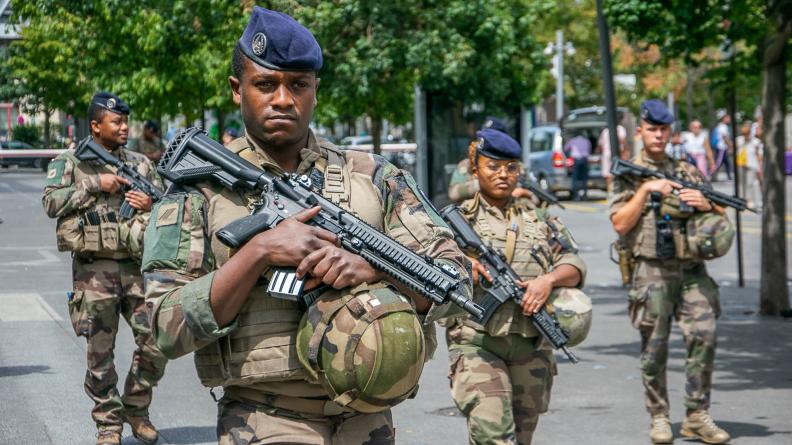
(26, 307)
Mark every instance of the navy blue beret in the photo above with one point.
(276, 41)
(495, 124)
(497, 145)
(655, 112)
(110, 102)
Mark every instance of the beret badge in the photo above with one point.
(111, 103)
(259, 44)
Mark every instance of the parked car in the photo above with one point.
(550, 164)
(35, 158)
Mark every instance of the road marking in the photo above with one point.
(26, 307)
(582, 208)
(758, 231)
(47, 258)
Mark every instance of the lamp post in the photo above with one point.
(557, 50)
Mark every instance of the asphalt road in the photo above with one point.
(599, 400)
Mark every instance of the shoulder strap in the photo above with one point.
(330, 171)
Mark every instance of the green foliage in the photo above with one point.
(29, 133)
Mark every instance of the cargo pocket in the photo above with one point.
(92, 238)
(77, 313)
(709, 288)
(552, 371)
(109, 235)
(637, 307)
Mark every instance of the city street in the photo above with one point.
(598, 401)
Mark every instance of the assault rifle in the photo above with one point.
(89, 150)
(192, 157)
(504, 285)
(529, 182)
(625, 168)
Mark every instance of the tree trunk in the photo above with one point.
(47, 115)
(689, 104)
(376, 133)
(774, 296)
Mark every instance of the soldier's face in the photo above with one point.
(655, 137)
(112, 130)
(497, 178)
(276, 106)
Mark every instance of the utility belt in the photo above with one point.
(91, 234)
(286, 406)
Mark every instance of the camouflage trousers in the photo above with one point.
(673, 290)
(242, 423)
(104, 290)
(501, 384)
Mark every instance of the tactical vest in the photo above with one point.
(263, 346)
(527, 249)
(642, 239)
(94, 232)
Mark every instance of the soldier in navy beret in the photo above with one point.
(495, 123)
(655, 112)
(669, 281)
(271, 395)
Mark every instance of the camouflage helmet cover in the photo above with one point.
(709, 235)
(366, 348)
(573, 309)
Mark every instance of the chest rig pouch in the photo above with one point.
(664, 230)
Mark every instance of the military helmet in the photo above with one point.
(366, 347)
(709, 235)
(573, 309)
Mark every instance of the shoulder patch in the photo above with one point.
(55, 171)
(168, 214)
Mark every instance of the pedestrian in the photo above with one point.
(754, 156)
(676, 149)
(214, 301)
(579, 148)
(229, 135)
(722, 144)
(668, 244)
(463, 185)
(86, 197)
(501, 373)
(742, 153)
(606, 157)
(698, 147)
(150, 143)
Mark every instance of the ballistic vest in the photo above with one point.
(263, 346)
(94, 232)
(527, 249)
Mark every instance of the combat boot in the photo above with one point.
(108, 437)
(142, 429)
(699, 424)
(661, 429)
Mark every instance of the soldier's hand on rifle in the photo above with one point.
(537, 291)
(336, 267)
(696, 199)
(139, 200)
(111, 183)
(291, 240)
(664, 186)
(479, 270)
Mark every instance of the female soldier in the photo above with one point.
(501, 373)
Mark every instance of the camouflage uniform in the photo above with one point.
(501, 374)
(679, 288)
(268, 395)
(107, 282)
(146, 147)
(462, 185)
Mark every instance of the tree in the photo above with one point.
(683, 29)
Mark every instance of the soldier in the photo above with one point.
(669, 280)
(463, 185)
(501, 374)
(262, 350)
(150, 143)
(86, 197)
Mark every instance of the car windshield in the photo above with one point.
(541, 140)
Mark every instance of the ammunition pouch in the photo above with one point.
(94, 231)
(665, 247)
(625, 259)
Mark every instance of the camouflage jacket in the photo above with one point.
(178, 268)
(640, 240)
(462, 185)
(73, 188)
(542, 243)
